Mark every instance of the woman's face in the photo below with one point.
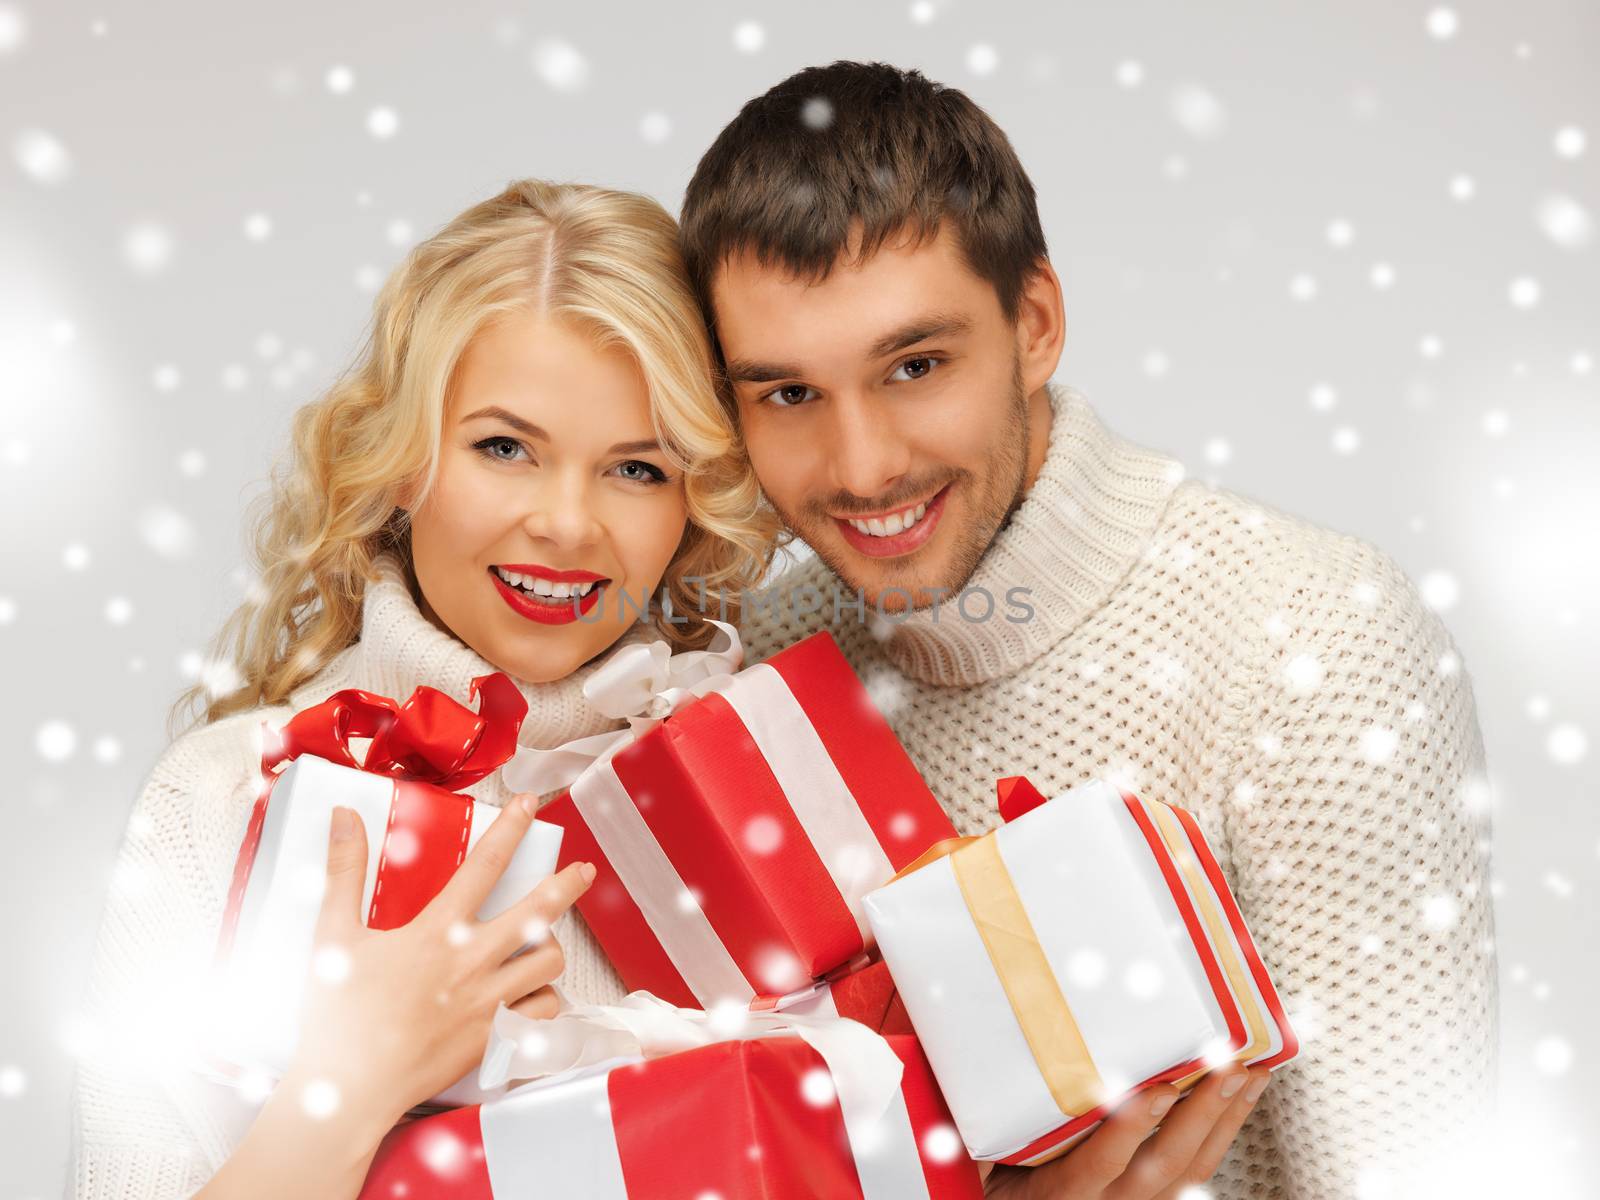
(553, 501)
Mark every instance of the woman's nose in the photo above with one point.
(563, 512)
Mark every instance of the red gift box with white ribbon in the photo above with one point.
(740, 820)
(419, 831)
(821, 1108)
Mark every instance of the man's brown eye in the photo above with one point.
(916, 367)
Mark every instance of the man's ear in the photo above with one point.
(1041, 326)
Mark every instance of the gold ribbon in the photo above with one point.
(1031, 987)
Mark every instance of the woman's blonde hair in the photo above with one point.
(606, 260)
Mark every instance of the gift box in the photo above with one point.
(1087, 948)
(418, 833)
(866, 994)
(736, 826)
(776, 1116)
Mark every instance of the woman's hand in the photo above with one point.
(1122, 1160)
(392, 1017)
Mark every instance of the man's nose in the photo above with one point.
(869, 454)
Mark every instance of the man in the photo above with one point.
(1028, 593)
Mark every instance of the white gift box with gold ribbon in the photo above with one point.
(1077, 953)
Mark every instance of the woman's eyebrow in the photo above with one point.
(495, 412)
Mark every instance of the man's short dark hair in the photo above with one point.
(869, 143)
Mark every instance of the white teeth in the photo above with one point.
(545, 587)
(894, 523)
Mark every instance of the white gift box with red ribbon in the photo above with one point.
(418, 832)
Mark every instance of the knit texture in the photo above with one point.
(145, 1125)
(1285, 684)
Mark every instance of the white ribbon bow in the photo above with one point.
(645, 683)
(866, 1072)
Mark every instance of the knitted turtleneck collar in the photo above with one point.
(1080, 529)
(400, 649)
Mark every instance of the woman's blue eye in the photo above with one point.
(790, 394)
(502, 449)
(912, 369)
(642, 472)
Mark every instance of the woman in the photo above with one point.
(529, 451)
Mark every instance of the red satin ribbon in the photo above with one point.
(428, 739)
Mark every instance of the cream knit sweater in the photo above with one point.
(144, 1127)
(1281, 681)
(1286, 685)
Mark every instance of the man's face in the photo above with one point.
(885, 410)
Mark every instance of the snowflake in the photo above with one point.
(340, 79)
(1565, 222)
(982, 59)
(166, 531)
(1198, 112)
(1524, 292)
(749, 37)
(1570, 141)
(258, 227)
(1462, 188)
(42, 157)
(1303, 287)
(106, 749)
(1340, 233)
(12, 1081)
(763, 835)
(1322, 397)
(320, 1099)
(1440, 590)
(383, 122)
(1304, 673)
(1440, 913)
(1552, 1055)
(560, 64)
(147, 248)
(655, 127)
(1567, 744)
(1381, 276)
(55, 741)
(1442, 23)
(1130, 73)
(1346, 440)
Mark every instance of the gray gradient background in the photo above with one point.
(139, 408)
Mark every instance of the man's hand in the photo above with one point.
(1122, 1161)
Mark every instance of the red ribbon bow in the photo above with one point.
(429, 739)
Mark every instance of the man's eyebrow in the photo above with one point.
(496, 413)
(920, 330)
(745, 370)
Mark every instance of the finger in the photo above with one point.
(1102, 1157)
(1209, 1157)
(528, 921)
(529, 972)
(538, 1006)
(469, 887)
(341, 914)
(1162, 1160)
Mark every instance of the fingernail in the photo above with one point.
(1257, 1086)
(529, 803)
(344, 824)
(587, 871)
(1231, 1085)
(1163, 1105)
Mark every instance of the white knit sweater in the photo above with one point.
(1284, 683)
(144, 1127)
(1281, 681)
